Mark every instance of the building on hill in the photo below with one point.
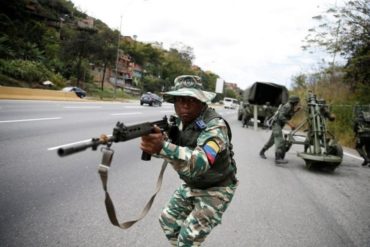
(231, 86)
(87, 23)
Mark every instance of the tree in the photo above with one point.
(230, 93)
(106, 50)
(345, 31)
(299, 81)
(78, 46)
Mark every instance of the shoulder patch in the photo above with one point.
(211, 149)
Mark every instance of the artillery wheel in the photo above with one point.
(287, 143)
(329, 168)
(313, 165)
(326, 163)
(321, 166)
(309, 164)
(335, 149)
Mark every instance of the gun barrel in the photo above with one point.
(93, 143)
(64, 151)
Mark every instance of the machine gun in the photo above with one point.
(121, 133)
(321, 150)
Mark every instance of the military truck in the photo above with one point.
(259, 94)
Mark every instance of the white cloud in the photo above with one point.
(242, 41)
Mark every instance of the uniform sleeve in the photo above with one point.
(193, 162)
(284, 114)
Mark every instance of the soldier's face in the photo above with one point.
(188, 108)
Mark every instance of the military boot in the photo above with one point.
(262, 154)
(366, 162)
(279, 159)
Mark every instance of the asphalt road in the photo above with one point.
(46, 200)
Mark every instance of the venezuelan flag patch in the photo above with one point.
(211, 149)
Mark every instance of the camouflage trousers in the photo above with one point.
(276, 138)
(363, 146)
(191, 214)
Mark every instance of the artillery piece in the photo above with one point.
(321, 150)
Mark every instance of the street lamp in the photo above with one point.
(117, 55)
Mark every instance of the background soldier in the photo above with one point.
(324, 110)
(247, 114)
(362, 131)
(284, 114)
(201, 153)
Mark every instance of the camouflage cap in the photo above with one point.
(191, 86)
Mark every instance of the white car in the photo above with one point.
(230, 103)
(79, 92)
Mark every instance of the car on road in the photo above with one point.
(230, 103)
(150, 99)
(78, 91)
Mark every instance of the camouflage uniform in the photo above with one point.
(284, 114)
(247, 115)
(196, 208)
(362, 131)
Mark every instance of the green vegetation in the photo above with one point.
(29, 71)
(343, 32)
(44, 40)
(41, 40)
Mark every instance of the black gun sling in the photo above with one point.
(103, 172)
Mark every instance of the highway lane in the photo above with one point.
(50, 201)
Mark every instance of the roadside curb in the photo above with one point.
(36, 94)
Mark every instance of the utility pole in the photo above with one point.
(117, 58)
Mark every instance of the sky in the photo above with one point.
(242, 41)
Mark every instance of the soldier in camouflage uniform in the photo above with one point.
(362, 130)
(201, 153)
(284, 114)
(247, 114)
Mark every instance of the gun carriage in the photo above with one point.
(321, 150)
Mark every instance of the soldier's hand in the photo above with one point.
(298, 108)
(153, 142)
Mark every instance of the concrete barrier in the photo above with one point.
(36, 94)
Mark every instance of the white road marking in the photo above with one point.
(82, 107)
(133, 107)
(126, 113)
(168, 111)
(30, 120)
(353, 156)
